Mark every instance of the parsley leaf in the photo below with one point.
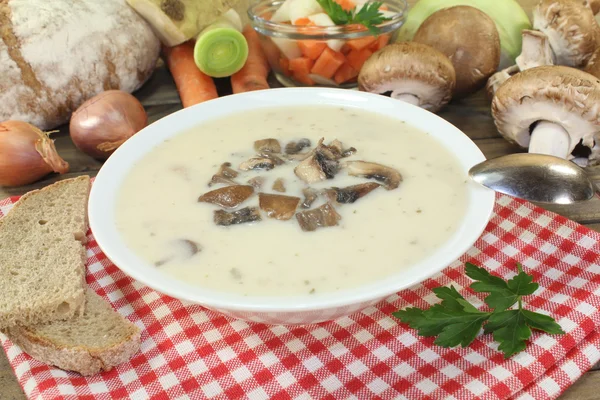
(502, 294)
(369, 15)
(455, 321)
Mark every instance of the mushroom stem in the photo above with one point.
(550, 138)
(407, 98)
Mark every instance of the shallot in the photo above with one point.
(26, 154)
(104, 122)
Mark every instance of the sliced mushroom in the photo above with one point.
(225, 175)
(412, 72)
(388, 176)
(186, 248)
(462, 43)
(297, 147)
(257, 163)
(244, 215)
(350, 194)
(310, 195)
(571, 28)
(278, 206)
(319, 217)
(276, 159)
(278, 185)
(321, 164)
(229, 196)
(267, 145)
(337, 148)
(257, 182)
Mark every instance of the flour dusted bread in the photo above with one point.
(42, 254)
(54, 55)
(97, 341)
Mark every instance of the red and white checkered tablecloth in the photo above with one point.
(188, 352)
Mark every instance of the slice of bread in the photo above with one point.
(97, 341)
(42, 254)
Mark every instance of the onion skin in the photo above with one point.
(104, 122)
(26, 154)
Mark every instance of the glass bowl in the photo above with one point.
(317, 55)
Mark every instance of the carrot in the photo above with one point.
(344, 74)
(383, 8)
(284, 63)
(347, 5)
(359, 44)
(192, 84)
(303, 21)
(303, 78)
(328, 63)
(311, 48)
(301, 65)
(254, 73)
(381, 42)
(356, 59)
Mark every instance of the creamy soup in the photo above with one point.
(358, 241)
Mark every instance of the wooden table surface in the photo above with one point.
(471, 115)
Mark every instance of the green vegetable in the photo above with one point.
(509, 16)
(221, 49)
(368, 16)
(455, 321)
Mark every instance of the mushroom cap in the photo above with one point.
(470, 39)
(571, 28)
(563, 95)
(410, 68)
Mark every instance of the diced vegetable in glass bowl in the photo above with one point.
(324, 42)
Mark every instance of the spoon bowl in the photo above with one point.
(535, 177)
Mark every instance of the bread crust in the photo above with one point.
(55, 55)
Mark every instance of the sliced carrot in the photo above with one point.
(345, 49)
(311, 48)
(301, 65)
(357, 58)
(328, 63)
(347, 5)
(267, 16)
(359, 44)
(284, 63)
(381, 42)
(303, 21)
(383, 8)
(344, 74)
(303, 78)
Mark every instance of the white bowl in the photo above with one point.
(294, 309)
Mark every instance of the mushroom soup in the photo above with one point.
(290, 201)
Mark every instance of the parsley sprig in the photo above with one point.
(368, 16)
(455, 321)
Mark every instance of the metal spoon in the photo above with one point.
(535, 177)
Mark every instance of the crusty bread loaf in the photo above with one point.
(54, 55)
(97, 341)
(42, 256)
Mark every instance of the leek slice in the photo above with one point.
(221, 49)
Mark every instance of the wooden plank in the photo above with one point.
(585, 388)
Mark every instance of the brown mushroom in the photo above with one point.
(470, 39)
(321, 164)
(337, 148)
(279, 185)
(256, 182)
(229, 196)
(310, 195)
(550, 110)
(411, 72)
(267, 145)
(242, 216)
(257, 163)
(225, 175)
(276, 159)
(186, 249)
(297, 147)
(350, 194)
(571, 28)
(320, 217)
(388, 176)
(535, 52)
(278, 206)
